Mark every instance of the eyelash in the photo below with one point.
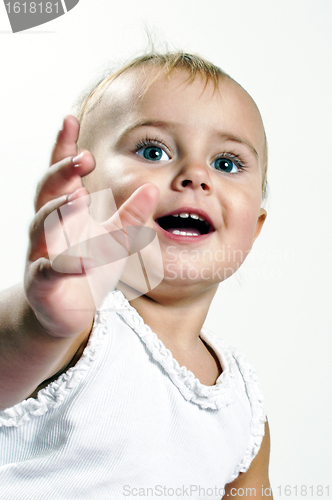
(151, 142)
(235, 158)
(156, 141)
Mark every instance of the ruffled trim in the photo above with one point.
(213, 397)
(258, 415)
(53, 394)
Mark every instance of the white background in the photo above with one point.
(278, 308)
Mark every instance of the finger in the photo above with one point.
(38, 246)
(44, 270)
(133, 214)
(65, 144)
(137, 210)
(65, 177)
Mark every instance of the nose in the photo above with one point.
(193, 175)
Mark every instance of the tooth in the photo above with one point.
(176, 232)
(175, 215)
(183, 233)
(194, 216)
(200, 218)
(184, 215)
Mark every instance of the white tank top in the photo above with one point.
(128, 421)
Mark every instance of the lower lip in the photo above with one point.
(180, 238)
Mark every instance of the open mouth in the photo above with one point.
(185, 224)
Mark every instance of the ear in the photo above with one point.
(260, 222)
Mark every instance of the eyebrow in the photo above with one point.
(168, 125)
(234, 138)
(150, 123)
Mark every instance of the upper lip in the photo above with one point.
(189, 210)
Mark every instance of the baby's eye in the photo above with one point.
(153, 153)
(225, 165)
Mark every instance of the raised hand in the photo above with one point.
(64, 302)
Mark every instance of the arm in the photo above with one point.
(44, 322)
(37, 336)
(28, 353)
(254, 483)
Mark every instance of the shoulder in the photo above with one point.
(246, 380)
(258, 416)
(256, 478)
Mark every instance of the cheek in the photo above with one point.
(118, 179)
(242, 219)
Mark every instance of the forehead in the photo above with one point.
(141, 97)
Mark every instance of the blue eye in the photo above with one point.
(153, 153)
(225, 165)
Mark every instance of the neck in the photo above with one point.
(177, 320)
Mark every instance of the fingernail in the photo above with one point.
(72, 196)
(77, 160)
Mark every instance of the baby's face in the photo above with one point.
(203, 148)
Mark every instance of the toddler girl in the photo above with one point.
(138, 399)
